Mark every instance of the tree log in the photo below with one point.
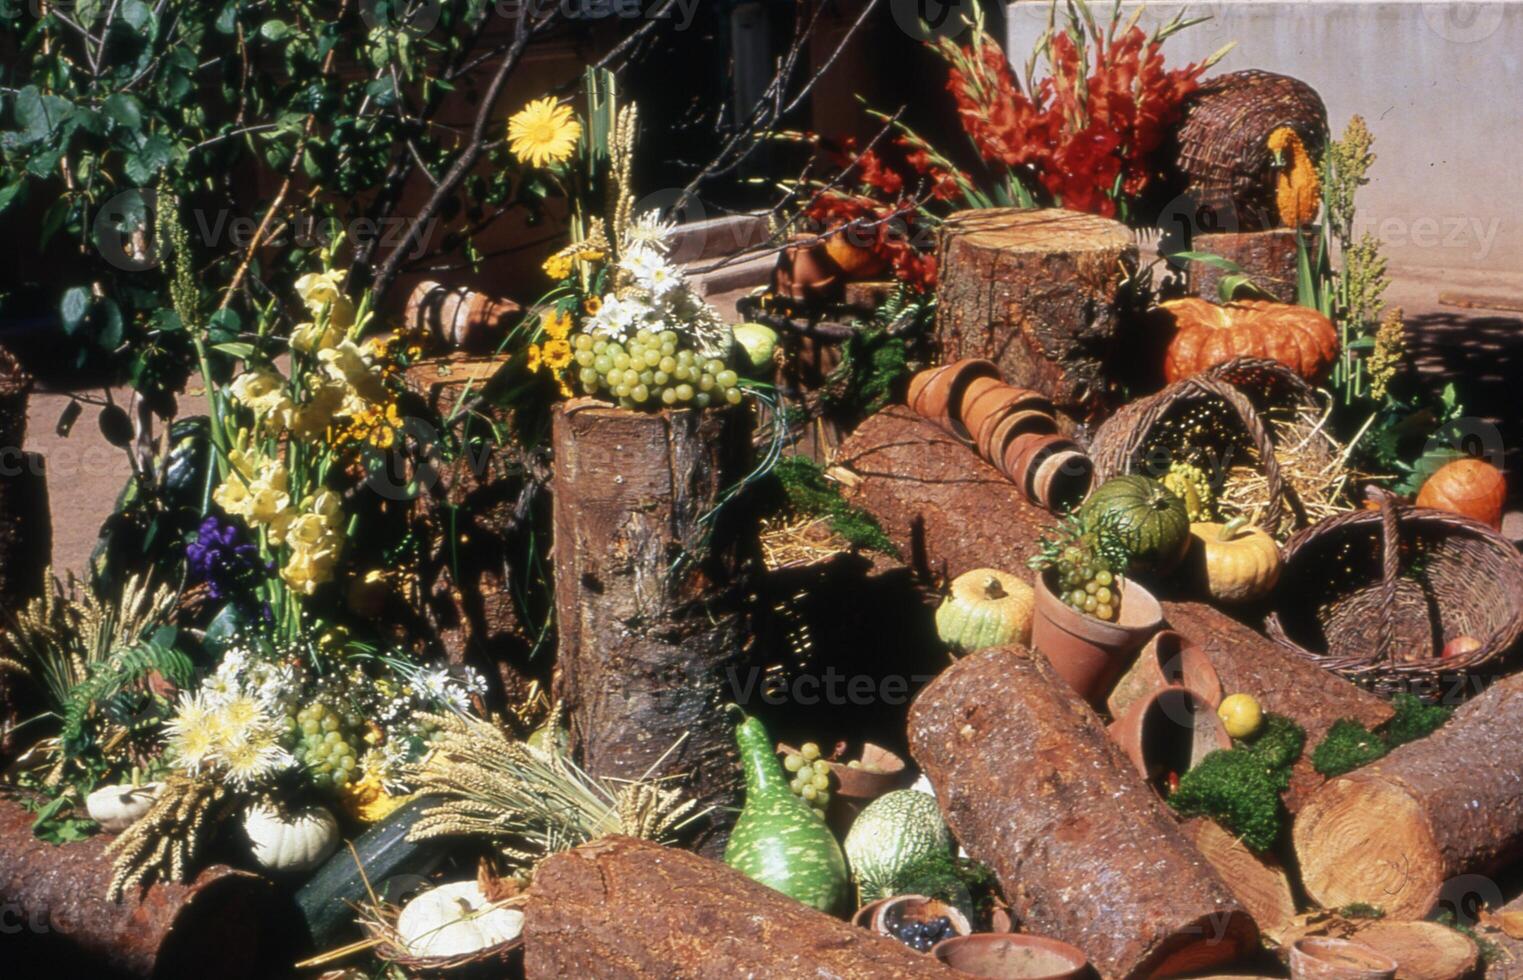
(1269, 257)
(621, 907)
(1259, 882)
(1502, 928)
(1085, 852)
(55, 898)
(1403, 832)
(1422, 950)
(649, 585)
(1035, 291)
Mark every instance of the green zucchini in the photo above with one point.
(778, 839)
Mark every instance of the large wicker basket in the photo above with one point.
(1148, 434)
(1375, 596)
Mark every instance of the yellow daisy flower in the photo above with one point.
(543, 133)
(534, 360)
(557, 354)
(558, 266)
(592, 305)
(557, 324)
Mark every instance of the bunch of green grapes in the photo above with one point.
(811, 776)
(328, 743)
(650, 371)
(1087, 585)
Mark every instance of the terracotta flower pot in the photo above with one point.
(461, 318)
(1062, 480)
(919, 396)
(1008, 427)
(892, 912)
(1338, 959)
(888, 772)
(1166, 732)
(947, 391)
(863, 917)
(1169, 659)
(1037, 453)
(1090, 653)
(1011, 955)
(1018, 453)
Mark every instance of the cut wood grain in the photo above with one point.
(1259, 882)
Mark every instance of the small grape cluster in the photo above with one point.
(922, 935)
(327, 743)
(1085, 564)
(811, 776)
(651, 370)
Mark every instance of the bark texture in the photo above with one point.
(1035, 291)
(211, 927)
(1269, 257)
(622, 907)
(1085, 852)
(1413, 828)
(1257, 881)
(649, 584)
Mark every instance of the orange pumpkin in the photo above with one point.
(1206, 335)
(1470, 487)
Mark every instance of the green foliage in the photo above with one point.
(58, 807)
(808, 492)
(1240, 787)
(1361, 910)
(872, 364)
(107, 690)
(1348, 745)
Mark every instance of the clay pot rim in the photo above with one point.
(1075, 956)
(983, 415)
(1011, 425)
(1127, 731)
(918, 384)
(1017, 450)
(880, 915)
(1097, 631)
(1047, 472)
(1183, 648)
(1036, 453)
(857, 784)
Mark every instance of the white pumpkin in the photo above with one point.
(118, 807)
(456, 920)
(295, 841)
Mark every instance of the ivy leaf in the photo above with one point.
(137, 14)
(109, 324)
(154, 155)
(236, 348)
(39, 115)
(74, 307)
(274, 30)
(124, 110)
(227, 20)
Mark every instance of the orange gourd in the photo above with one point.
(1206, 335)
(1470, 487)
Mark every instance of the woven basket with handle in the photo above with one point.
(1227, 403)
(1374, 596)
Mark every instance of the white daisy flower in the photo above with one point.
(651, 270)
(617, 317)
(649, 230)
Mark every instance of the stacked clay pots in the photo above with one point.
(1012, 428)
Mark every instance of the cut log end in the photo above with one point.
(1045, 231)
(1368, 841)
(1422, 950)
(1259, 883)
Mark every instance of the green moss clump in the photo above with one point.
(1361, 910)
(1240, 787)
(1349, 745)
(808, 492)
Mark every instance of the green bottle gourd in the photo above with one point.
(779, 840)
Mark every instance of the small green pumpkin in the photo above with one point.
(892, 837)
(778, 840)
(1148, 519)
(985, 608)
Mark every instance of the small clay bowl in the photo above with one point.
(916, 908)
(1063, 480)
(863, 917)
(1011, 956)
(1322, 958)
(1010, 425)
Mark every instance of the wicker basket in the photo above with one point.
(1230, 398)
(1374, 596)
(379, 921)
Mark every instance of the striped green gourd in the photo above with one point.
(894, 838)
(778, 839)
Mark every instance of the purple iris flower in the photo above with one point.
(221, 557)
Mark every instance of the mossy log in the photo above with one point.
(621, 907)
(1432, 817)
(1084, 850)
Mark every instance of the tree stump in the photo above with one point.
(1269, 257)
(1085, 851)
(649, 572)
(1426, 822)
(621, 907)
(1035, 292)
(56, 898)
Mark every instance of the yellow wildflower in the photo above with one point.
(543, 132)
(556, 324)
(592, 305)
(323, 291)
(558, 266)
(534, 360)
(556, 354)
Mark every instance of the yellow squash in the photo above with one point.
(986, 608)
(1241, 563)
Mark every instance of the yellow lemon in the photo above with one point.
(1240, 715)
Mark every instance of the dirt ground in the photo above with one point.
(1480, 349)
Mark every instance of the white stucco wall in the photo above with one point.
(1440, 84)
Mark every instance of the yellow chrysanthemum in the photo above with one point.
(557, 324)
(534, 359)
(592, 305)
(558, 266)
(557, 354)
(543, 133)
